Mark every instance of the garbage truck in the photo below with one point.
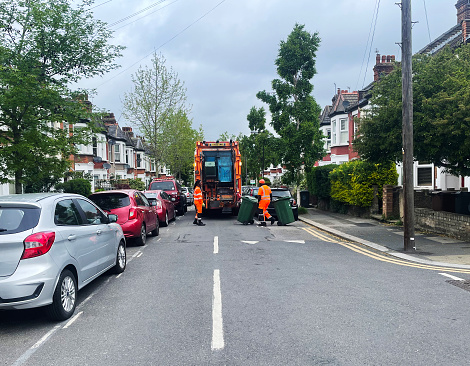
(218, 166)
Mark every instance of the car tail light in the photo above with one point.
(159, 204)
(132, 213)
(294, 203)
(37, 244)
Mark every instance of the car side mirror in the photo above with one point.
(112, 218)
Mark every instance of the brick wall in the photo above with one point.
(445, 223)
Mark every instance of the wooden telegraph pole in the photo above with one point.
(407, 128)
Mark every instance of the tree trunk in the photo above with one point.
(18, 185)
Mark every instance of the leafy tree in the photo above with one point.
(180, 140)
(79, 185)
(294, 110)
(45, 46)
(158, 96)
(441, 97)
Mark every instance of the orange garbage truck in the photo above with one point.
(218, 166)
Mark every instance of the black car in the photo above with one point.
(283, 192)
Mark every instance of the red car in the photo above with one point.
(174, 190)
(136, 215)
(165, 207)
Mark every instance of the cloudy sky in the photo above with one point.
(224, 50)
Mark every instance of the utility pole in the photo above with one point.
(407, 127)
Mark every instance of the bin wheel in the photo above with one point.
(279, 223)
(252, 222)
(245, 223)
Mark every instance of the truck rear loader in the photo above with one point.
(218, 166)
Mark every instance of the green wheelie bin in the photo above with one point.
(283, 211)
(247, 210)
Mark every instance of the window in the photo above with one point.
(92, 213)
(95, 147)
(66, 213)
(140, 200)
(425, 176)
(343, 130)
(328, 139)
(333, 129)
(117, 153)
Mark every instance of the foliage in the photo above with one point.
(441, 121)
(294, 110)
(302, 210)
(79, 186)
(137, 184)
(156, 104)
(45, 46)
(318, 180)
(180, 140)
(352, 182)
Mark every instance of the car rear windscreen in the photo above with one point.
(281, 193)
(162, 186)
(110, 201)
(17, 219)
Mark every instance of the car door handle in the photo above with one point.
(72, 237)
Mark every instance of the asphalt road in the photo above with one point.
(230, 294)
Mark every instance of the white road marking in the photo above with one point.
(136, 254)
(217, 320)
(250, 242)
(295, 241)
(140, 255)
(71, 321)
(25, 356)
(452, 277)
(216, 244)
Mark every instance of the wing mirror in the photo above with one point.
(112, 218)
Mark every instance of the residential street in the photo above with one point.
(229, 294)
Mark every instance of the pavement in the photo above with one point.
(387, 237)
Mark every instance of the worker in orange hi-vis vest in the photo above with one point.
(198, 203)
(264, 198)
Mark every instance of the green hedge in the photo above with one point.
(352, 183)
(318, 180)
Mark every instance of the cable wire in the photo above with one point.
(427, 21)
(163, 44)
(367, 45)
(371, 42)
(136, 13)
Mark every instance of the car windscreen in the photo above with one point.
(162, 186)
(281, 193)
(17, 219)
(110, 201)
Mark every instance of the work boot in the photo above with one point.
(195, 221)
(200, 223)
(262, 223)
(272, 220)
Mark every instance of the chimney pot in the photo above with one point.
(377, 59)
(384, 58)
(393, 58)
(389, 58)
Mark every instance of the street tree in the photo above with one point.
(294, 111)
(180, 140)
(441, 116)
(157, 96)
(46, 45)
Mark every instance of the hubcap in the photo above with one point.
(121, 256)
(67, 294)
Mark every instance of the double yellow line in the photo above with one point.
(384, 257)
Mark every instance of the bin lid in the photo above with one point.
(250, 198)
(282, 199)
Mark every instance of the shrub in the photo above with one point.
(80, 186)
(352, 183)
(137, 184)
(318, 180)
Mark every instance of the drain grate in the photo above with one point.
(465, 285)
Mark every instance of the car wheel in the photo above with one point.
(121, 259)
(64, 299)
(156, 231)
(143, 236)
(165, 223)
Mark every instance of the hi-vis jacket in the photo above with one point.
(197, 196)
(264, 192)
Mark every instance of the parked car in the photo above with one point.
(283, 192)
(135, 214)
(174, 190)
(189, 196)
(250, 191)
(52, 245)
(165, 207)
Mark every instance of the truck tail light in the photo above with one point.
(37, 244)
(132, 213)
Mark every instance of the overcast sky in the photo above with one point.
(224, 50)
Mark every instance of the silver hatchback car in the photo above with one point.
(51, 245)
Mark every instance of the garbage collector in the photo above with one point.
(264, 198)
(198, 203)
